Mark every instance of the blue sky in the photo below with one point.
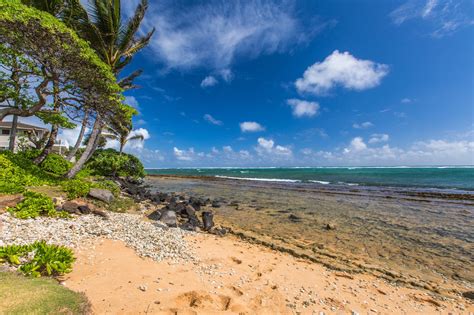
(305, 83)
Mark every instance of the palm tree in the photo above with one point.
(123, 137)
(115, 41)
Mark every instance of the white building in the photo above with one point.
(22, 132)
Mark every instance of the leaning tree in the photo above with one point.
(59, 68)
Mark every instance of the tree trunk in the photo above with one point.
(54, 129)
(12, 143)
(49, 145)
(73, 151)
(91, 145)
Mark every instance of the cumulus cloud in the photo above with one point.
(364, 125)
(251, 126)
(343, 70)
(214, 34)
(443, 17)
(303, 108)
(184, 155)
(357, 144)
(208, 81)
(69, 136)
(378, 137)
(212, 120)
(428, 152)
(268, 147)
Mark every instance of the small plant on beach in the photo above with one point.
(56, 164)
(34, 205)
(76, 188)
(38, 259)
(14, 179)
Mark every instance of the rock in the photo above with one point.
(71, 207)
(294, 218)
(468, 295)
(190, 211)
(216, 204)
(169, 218)
(101, 194)
(208, 220)
(218, 231)
(9, 201)
(84, 209)
(155, 215)
(100, 213)
(143, 288)
(330, 226)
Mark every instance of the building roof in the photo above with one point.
(22, 126)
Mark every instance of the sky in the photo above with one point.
(304, 83)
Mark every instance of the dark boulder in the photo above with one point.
(155, 215)
(70, 207)
(169, 218)
(208, 220)
(468, 295)
(190, 211)
(216, 204)
(84, 209)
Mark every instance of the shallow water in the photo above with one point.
(399, 234)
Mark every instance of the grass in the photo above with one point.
(24, 295)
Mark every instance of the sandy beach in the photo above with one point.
(235, 277)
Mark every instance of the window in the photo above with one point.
(5, 132)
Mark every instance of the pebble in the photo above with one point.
(148, 239)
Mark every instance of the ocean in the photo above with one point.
(442, 177)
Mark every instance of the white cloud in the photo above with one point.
(357, 144)
(227, 149)
(341, 69)
(212, 120)
(406, 100)
(444, 17)
(364, 125)
(226, 75)
(208, 81)
(251, 126)
(184, 155)
(213, 34)
(268, 147)
(303, 108)
(141, 122)
(379, 137)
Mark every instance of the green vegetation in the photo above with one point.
(38, 259)
(24, 295)
(35, 205)
(110, 162)
(76, 188)
(56, 164)
(13, 177)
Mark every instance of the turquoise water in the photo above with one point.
(461, 178)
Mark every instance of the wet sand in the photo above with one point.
(235, 277)
(416, 239)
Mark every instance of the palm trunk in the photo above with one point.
(12, 142)
(73, 151)
(49, 145)
(91, 146)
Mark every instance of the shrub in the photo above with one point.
(76, 188)
(39, 259)
(56, 164)
(109, 162)
(14, 179)
(34, 205)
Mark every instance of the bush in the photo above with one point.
(14, 179)
(76, 188)
(109, 162)
(34, 205)
(39, 259)
(56, 164)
